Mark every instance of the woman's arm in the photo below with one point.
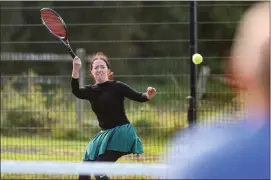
(133, 94)
(81, 93)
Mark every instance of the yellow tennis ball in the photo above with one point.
(197, 58)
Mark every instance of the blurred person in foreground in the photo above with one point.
(117, 136)
(242, 150)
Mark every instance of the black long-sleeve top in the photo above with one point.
(107, 100)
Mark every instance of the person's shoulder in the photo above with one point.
(200, 140)
(212, 135)
(202, 137)
(201, 145)
(120, 83)
(110, 84)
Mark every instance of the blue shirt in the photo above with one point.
(221, 151)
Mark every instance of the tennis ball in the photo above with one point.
(197, 58)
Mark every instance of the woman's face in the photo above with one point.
(99, 70)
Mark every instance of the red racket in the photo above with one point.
(56, 26)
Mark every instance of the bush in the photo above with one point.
(27, 109)
(23, 110)
(63, 132)
(151, 122)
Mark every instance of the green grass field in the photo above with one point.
(38, 148)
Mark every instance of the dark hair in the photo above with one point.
(104, 58)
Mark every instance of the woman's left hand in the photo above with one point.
(150, 92)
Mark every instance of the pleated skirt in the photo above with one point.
(121, 138)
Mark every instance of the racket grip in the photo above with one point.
(72, 53)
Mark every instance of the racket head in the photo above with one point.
(54, 23)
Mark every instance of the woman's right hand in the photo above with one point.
(77, 63)
(76, 67)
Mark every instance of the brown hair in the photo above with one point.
(104, 58)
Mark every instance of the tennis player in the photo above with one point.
(239, 151)
(118, 136)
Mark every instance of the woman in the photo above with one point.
(117, 136)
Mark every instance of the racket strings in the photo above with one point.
(54, 23)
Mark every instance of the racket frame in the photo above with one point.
(65, 39)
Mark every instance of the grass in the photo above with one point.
(40, 148)
(43, 149)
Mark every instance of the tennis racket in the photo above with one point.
(56, 26)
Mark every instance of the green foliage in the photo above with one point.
(61, 132)
(28, 109)
(23, 109)
(153, 123)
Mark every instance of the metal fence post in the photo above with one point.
(192, 110)
(81, 53)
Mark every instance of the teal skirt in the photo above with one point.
(121, 138)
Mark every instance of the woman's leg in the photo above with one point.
(85, 177)
(108, 156)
